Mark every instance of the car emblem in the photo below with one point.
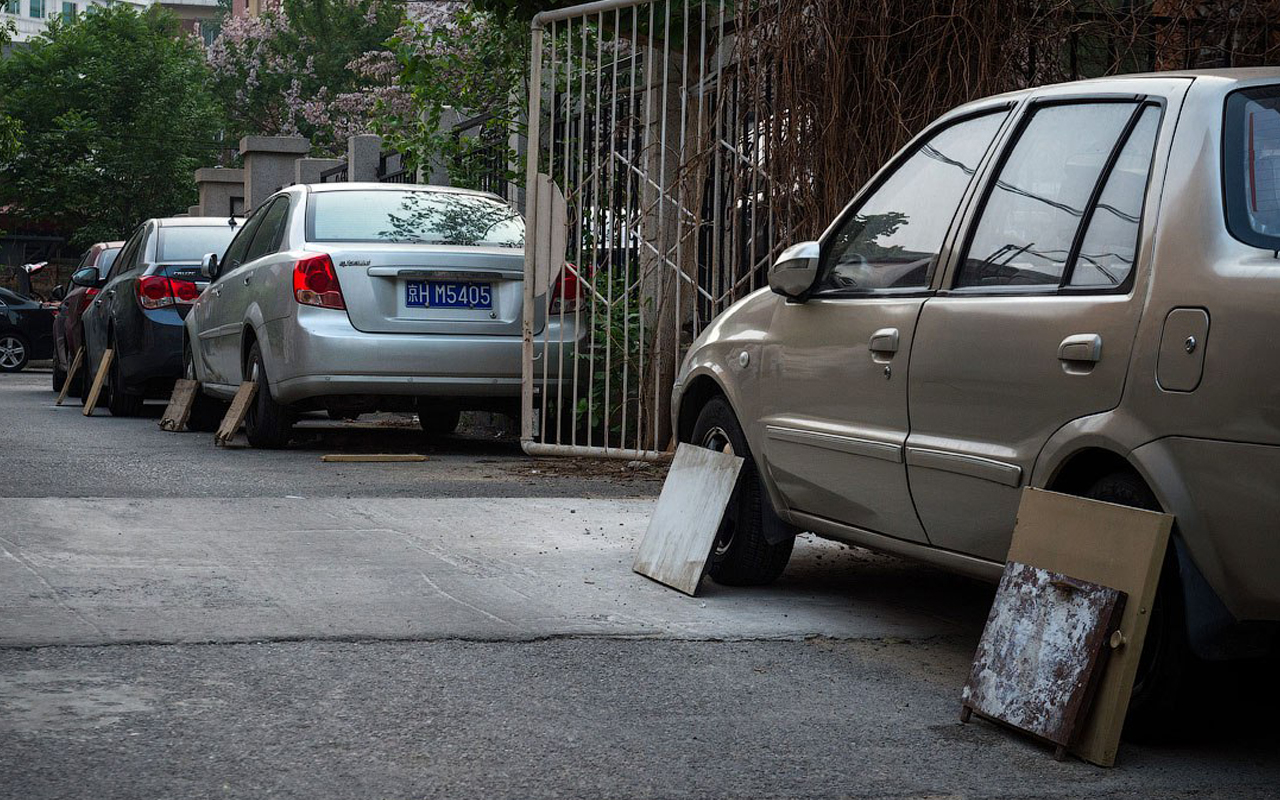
(354, 263)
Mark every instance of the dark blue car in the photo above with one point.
(141, 303)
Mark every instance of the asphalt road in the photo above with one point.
(182, 621)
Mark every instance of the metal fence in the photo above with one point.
(336, 174)
(640, 114)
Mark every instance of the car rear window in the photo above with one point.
(191, 243)
(1251, 165)
(412, 217)
(105, 259)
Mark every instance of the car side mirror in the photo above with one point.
(87, 277)
(209, 265)
(58, 292)
(793, 274)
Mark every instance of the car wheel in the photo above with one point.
(438, 419)
(741, 556)
(1157, 702)
(59, 375)
(14, 352)
(268, 424)
(120, 401)
(206, 412)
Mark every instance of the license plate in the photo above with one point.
(448, 294)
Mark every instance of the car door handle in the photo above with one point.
(111, 293)
(246, 280)
(1081, 347)
(217, 291)
(884, 340)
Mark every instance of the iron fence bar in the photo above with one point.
(531, 216)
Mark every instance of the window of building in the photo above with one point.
(12, 7)
(68, 12)
(35, 9)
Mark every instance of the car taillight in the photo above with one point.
(155, 291)
(87, 298)
(315, 283)
(566, 296)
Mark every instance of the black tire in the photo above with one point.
(742, 556)
(268, 424)
(206, 412)
(438, 419)
(1157, 705)
(59, 375)
(15, 352)
(121, 402)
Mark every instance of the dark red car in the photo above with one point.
(68, 332)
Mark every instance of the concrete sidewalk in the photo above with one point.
(112, 571)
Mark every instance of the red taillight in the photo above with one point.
(567, 294)
(87, 298)
(315, 283)
(155, 291)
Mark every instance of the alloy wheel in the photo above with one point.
(12, 352)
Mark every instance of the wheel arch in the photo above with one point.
(696, 394)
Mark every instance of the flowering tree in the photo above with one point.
(316, 68)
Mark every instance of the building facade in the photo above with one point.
(31, 17)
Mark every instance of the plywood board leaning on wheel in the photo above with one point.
(238, 410)
(91, 401)
(677, 546)
(181, 401)
(1110, 545)
(71, 375)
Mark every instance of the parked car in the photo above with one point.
(357, 297)
(26, 331)
(1039, 317)
(68, 332)
(140, 305)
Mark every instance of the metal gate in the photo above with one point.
(650, 139)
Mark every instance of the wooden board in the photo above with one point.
(235, 415)
(178, 411)
(372, 457)
(91, 401)
(682, 531)
(71, 374)
(1041, 653)
(1109, 545)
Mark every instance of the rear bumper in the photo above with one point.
(152, 353)
(317, 352)
(1225, 497)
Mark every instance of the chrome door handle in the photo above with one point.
(1081, 347)
(110, 292)
(246, 280)
(884, 340)
(217, 291)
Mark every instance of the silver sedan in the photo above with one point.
(357, 297)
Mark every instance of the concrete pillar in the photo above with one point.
(221, 192)
(307, 170)
(363, 152)
(193, 211)
(268, 165)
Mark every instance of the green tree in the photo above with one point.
(9, 127)
(116, 116)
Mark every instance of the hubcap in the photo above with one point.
(717, 439)
(12, 352)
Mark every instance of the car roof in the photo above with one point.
(1222, 76)
(395, 187)
(194, 222)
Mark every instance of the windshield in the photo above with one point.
(1251, 165)
(105, 259)
(191, 243)
(413, 217)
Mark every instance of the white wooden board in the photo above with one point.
(682, 531)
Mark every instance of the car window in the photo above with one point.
(86, 260)
(9, 297)
(234, 256)
(127, 254)
(106, 258)
(270, 231)
(1110, 242)
(1034, 208)
(192, 242)
(1251, 165)
(412, 216)
(893, 239)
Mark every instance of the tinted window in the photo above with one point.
(1111, 241)
(1034, 209)
(418, 217)
(234, 255)
(127, 254)
(270, 231)
(1251, 165)
(892, 240)
(191, 243)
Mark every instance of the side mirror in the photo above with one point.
(209, 265)
(58, 292)
(793, 274)
(87, 277)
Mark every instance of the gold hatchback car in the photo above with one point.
(1075, 287)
